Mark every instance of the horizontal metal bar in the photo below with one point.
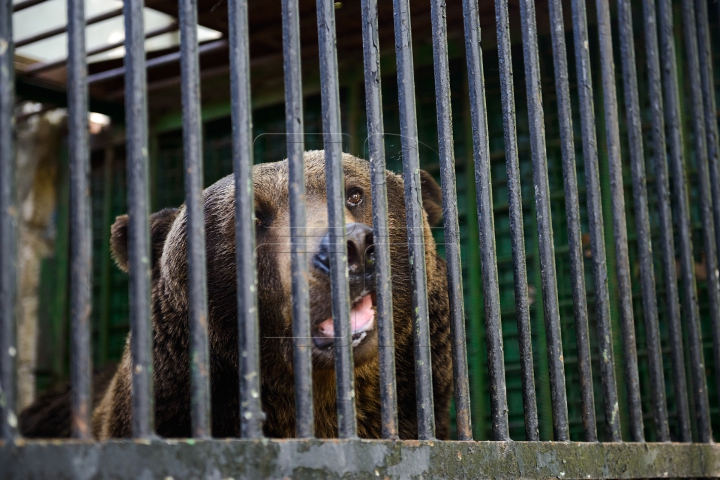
(57, 31)
(356, 459)
(26, 4)
(157, 61)
(44, 67)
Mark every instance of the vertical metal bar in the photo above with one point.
(572, 206)
(617, 197)
(711, 130)
(452, 236)
(302, 353)
(595, 220)
(544, 221)
(703, 182)
(383, 278)
(486, 223)
(332, 139)
(517, 230)
(643, 233)
(138, 223)
(80, 233)
(195, 205)
(8, 229)
(414, 217)
(642, 226)
(251, 415)
(667, 242)
(677, 172)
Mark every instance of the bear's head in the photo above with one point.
(273, 247)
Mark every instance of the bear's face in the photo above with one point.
(273, 253)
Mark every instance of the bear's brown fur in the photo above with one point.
(112, 418)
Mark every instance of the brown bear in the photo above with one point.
(112, 418)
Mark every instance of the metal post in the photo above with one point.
(195, 205)
(491, 293)
(302, 337)
(80, 232)
(546, 246)
(251, 414)
(702, 408)
(572, 206)
(595, 220)
(8, 229)
(332, 139)
(381, 233)
(642, 227)
(414, 217)
(517, 230)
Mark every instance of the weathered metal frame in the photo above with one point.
(254, 456)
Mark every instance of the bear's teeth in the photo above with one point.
(357, 341)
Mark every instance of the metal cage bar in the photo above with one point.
(595, 220)
(8, 229)
(302, 353)
(677, 171)
(617, 200)
(195, 208)
(251, 414)
(143, 404)
(80, 230)
(450, 215)
(642, 226)
(332, 139)
(414, 219)
(713, 151)
(486, 223)
(572, 207)
(517, 229)
(667, 241)
(544, 221)
(381, 233)
(706, 214)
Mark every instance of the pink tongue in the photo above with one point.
(361, 318)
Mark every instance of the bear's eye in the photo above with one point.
(354, 197)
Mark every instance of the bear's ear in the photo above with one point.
(432, 198)
(160, 223)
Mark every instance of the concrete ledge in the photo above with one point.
(223, 459)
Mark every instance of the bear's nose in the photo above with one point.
(360, 248)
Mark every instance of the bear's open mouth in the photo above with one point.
(362, 322)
